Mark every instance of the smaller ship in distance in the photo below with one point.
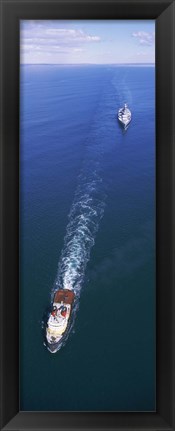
(59, 319)
(124, 116)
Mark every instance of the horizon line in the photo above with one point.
(87, 64)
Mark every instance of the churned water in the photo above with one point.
(87, 222)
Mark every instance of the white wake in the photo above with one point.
(86, 211)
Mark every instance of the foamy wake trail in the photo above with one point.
(122, 90)
(86, 211)
(87, 207)
(85, 214)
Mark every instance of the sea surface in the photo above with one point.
(87, 221)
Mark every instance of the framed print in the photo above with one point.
(86, 153)
(87, 200)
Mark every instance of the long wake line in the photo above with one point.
(84, 217)
(85, 214)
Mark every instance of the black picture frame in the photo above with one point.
(163, 11)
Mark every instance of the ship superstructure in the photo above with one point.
(124, 115)
(59, 318)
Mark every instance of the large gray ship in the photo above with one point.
(124, 116)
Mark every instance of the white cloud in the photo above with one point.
(38, 34)
(71, 35)
(142, 53)
(144, 38)
(78, 50)
(47, 38)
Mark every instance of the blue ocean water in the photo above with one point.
(87, 220)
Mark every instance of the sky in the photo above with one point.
(87, 41)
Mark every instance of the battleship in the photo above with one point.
(124, 116)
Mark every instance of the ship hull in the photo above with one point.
(124, 123)
(59, 319)
(54, 347)
(124, 116)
